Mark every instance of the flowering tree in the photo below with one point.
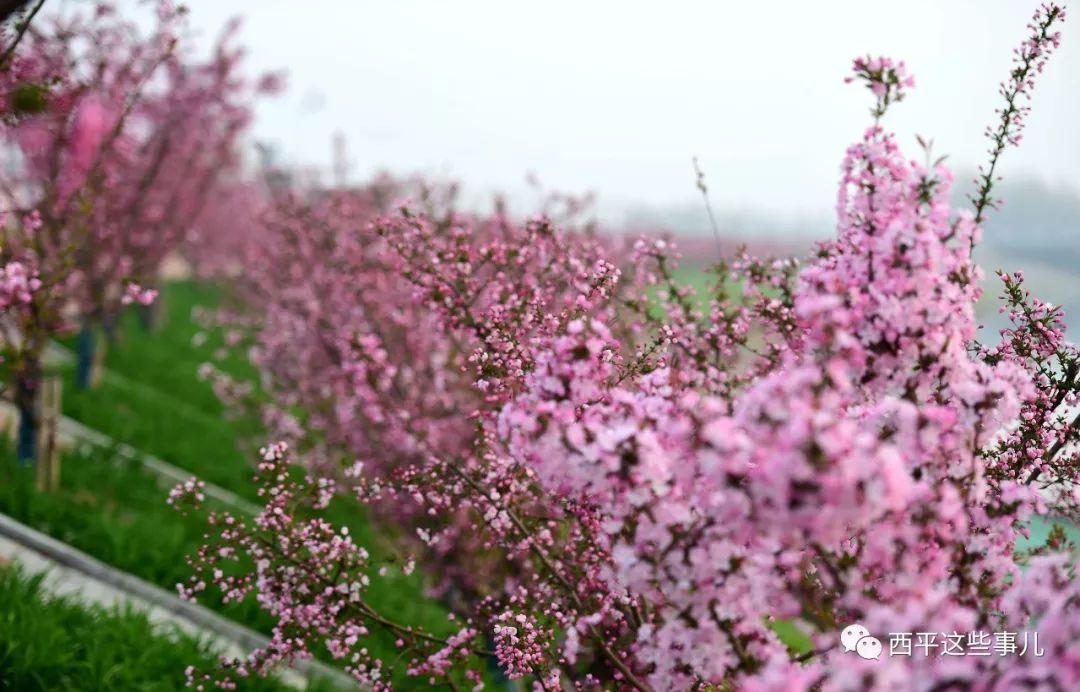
(628, 483)
(129, 137)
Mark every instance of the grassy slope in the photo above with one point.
(50, 643)
(151, 399)
(115, 511)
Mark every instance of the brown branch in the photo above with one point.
(10, 7)
(7, 9)
(1053, 451)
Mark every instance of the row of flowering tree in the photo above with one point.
(624, 482)
(114, 139)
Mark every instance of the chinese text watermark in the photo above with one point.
(856, 638)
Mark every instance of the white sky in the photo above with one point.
(616, 97)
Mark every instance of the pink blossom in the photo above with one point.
(134, 293)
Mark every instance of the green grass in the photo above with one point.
(151, 399)
(165, 358)
(114, 510)
(794, 638)
(704, 283)
(1040, 530)
(53, 643)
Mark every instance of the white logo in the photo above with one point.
(869, 648)
(851, 636)
(857, 638)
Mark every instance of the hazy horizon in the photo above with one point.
(615, 98)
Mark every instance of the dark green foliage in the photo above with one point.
(28, 99)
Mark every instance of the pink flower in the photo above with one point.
(134, 293)
(88, 131)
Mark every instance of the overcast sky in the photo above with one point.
(616, 97)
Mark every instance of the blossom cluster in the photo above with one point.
(889, 81)
(134, 293)
(17, 285)
(621, 481)
(190, 493)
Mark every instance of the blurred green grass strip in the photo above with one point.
(55, 643)
(150, 398)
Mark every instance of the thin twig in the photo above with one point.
(708, 205)
(1002, 137)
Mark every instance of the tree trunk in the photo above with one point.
(10, 7)
(149, 315)
(84, 356)
(48, 463)
(97, 364)
(27, 392)
(110, 324)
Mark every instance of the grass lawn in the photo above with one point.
(114, 510)
(150, 398)
(53, 643)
